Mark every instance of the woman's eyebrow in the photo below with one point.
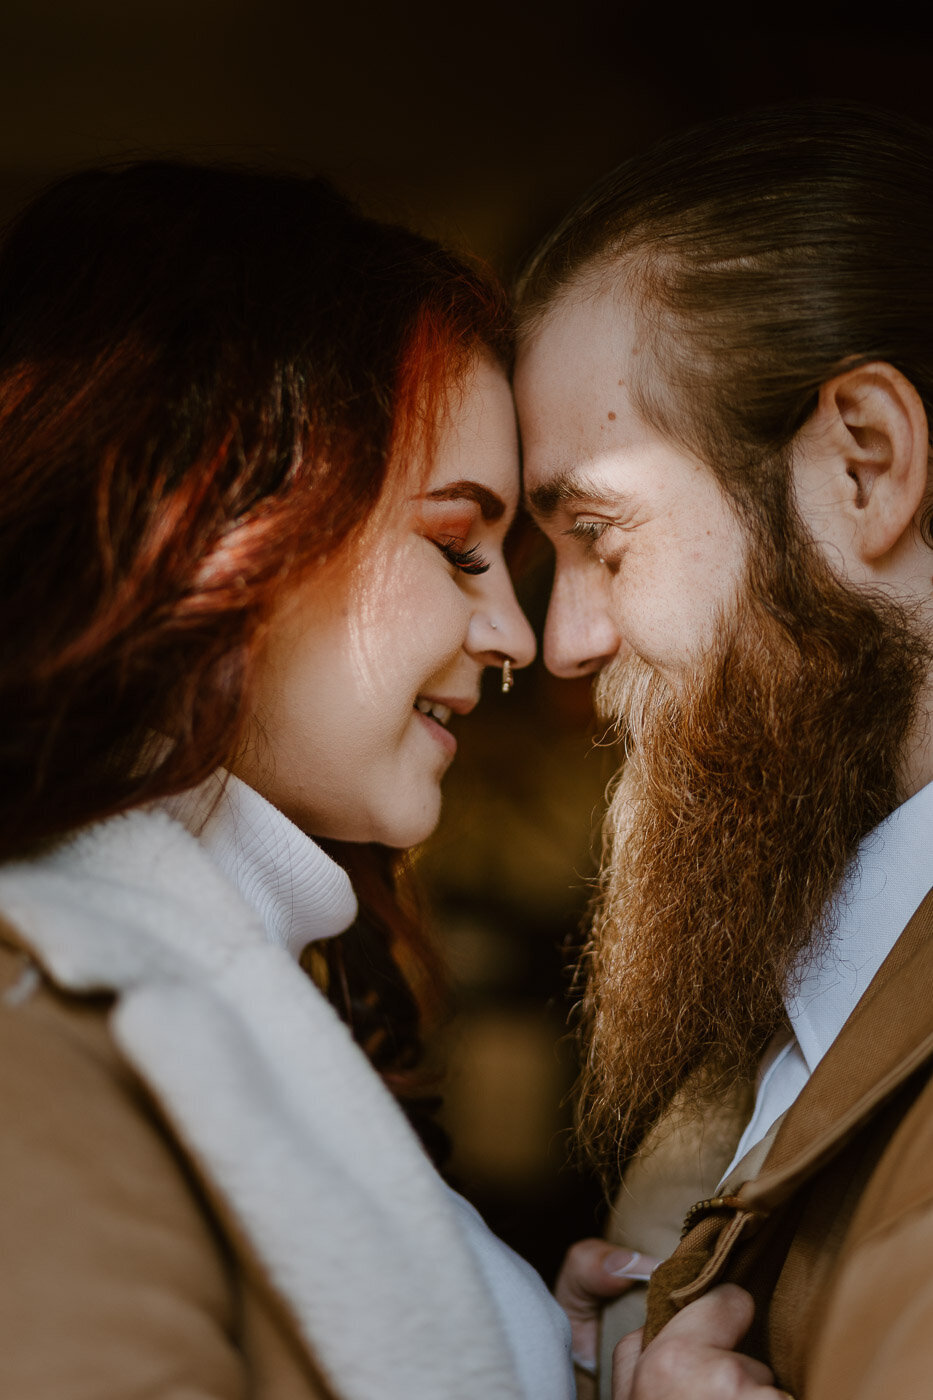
(491, 505)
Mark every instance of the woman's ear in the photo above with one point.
(861, 462)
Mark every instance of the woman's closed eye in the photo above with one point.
(468, 560)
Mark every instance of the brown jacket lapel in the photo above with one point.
(822, 1156)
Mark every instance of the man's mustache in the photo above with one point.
(624, 690)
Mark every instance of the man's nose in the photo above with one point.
(580, 636)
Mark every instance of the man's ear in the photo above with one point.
(861, 467)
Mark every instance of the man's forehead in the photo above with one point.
(572, 390)
(579, 447)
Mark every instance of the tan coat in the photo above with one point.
(834, 1234)
(115, 1280)
(205, 1191)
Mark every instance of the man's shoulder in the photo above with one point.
(902, 1182)
(876, 1337)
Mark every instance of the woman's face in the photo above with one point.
(367, 662)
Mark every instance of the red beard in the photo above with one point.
(742, 801)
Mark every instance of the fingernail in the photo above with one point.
(622, 1263)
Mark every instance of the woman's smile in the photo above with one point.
(435, 719)
(424, 606)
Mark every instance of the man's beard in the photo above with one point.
(743, 798)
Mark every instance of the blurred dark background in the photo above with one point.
(479, 124)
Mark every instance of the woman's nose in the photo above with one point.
(522, 644)
(580, 636)
(499, 629)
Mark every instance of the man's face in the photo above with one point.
(649, 550)
(765, 705)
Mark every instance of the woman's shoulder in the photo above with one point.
(66, 1090)
(110, 1252)
(122, 901)
(50, 1025)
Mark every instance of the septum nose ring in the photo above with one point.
(507, 678)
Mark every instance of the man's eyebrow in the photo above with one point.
(491, 505)
(570, 488)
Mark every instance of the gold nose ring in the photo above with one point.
(507, 681)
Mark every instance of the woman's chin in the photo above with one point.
(402, 829)
(403, 820)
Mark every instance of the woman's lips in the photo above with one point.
(435, 712)
(438, 732)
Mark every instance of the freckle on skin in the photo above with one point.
(611, 414)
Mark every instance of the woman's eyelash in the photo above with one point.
(468, 561)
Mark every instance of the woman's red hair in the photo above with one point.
(206, 378)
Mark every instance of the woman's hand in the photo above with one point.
(592, 1273)
(693, 1357)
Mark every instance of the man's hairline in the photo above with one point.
(615, 272)
(602, 276)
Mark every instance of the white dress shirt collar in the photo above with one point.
(299, 893)
(886, 884)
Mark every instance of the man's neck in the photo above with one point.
(917, 763)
